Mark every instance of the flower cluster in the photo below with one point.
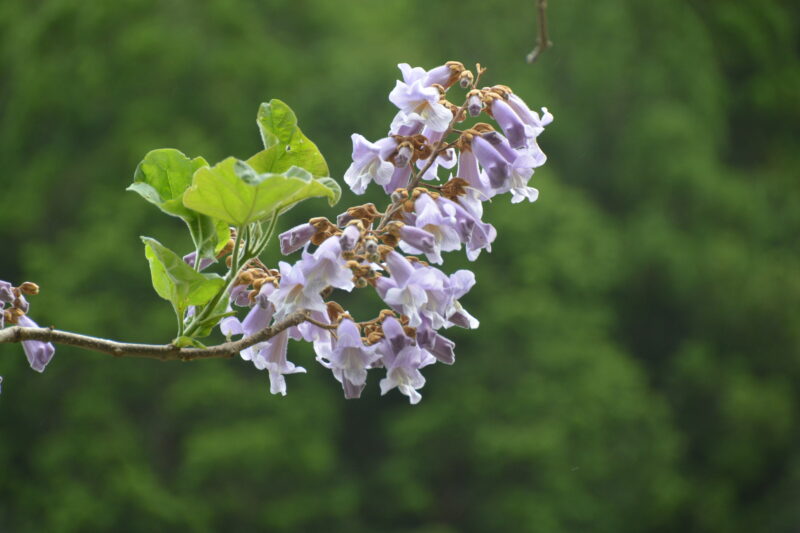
(13, 311)
(383, 251)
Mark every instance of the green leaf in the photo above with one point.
(176, 281)
(161, 178)
(235, 192)
(285, 145)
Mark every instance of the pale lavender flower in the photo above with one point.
(38, 353)
(399, 179)
(402, 371)
(419, 103)
(497, 168)
(205, 262)
(295, 238)
(349, 359)
(470, 171)
(293, 293)
(272, 357)
(517, 132)
(326, 267)
(530, 118)
(442, 348)
(414, 292)
(522, 164)
(460, 283)
(369, 163)
(418, 239)
(6, 292)
(439, 222)
(474, 233)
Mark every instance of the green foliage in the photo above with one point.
(232, 191)
(284, 143)
(177, 282)
(162, 179)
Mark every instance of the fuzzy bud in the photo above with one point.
(29, 288)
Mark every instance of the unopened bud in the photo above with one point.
(29, 288)
(361, 283)
(374, 257)
(403, 156)
(465, 79)
(397, 197)
(371, 246)
(474, 105)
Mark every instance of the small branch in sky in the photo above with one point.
(543, 42)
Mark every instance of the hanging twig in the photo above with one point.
(543, 42)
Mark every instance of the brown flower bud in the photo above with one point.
(29, 288)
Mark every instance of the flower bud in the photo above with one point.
(295, 238)
(349, 237)
(371, 246)
(403, 156)
(360, 283)
(474, 105)
(29, 288)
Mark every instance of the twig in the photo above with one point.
(543, 42)
(165, 352)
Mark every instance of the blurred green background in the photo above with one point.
(638, 363)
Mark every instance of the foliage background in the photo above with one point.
(638, 362)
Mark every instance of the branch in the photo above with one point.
(543, 41)
(165, 352)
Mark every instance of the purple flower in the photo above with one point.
(295, 238)
(414, 292)
(293, 293)
(272, 357)
(349, 359)
(402, 371)
(496, 166)
(419, 103)
(530, 118)
(399, 179)
(439, 222)
(476, 234)
(441, 75)
(6, 292)
(369, 163)
(38, 353)
(418, 239)
(205, 262)
(440, 347)
(326, 267)
(514, 128)
(522, 164)
(469, 171)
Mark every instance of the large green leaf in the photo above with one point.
(176, 281)
(285, 145)
(161, 178)
(235, 192)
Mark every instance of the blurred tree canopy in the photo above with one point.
(638, 362)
